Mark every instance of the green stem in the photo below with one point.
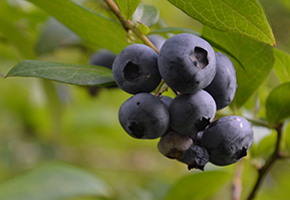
(262, 172)
(128, 24)
(159, 88)
(258, 122)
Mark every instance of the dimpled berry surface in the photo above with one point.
(135, 69)
(191, 113)
(144, 116)
(187, 63)
(227, 139)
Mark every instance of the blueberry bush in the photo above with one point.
(131, 99)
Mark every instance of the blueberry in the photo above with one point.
(227, 140)
(174, 145)
(197, 137)
(103, 58)
(135, 69)
(157, 40)
(187, 63)
(191, 113)
(224, 84)
(144, 116)
(166, 100)
(195, 157)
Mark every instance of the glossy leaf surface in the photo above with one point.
(90, 26)
(244, 17)
(86, 75)
(278, 104)
(53, 181)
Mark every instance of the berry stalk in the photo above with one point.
(129, 25)
(262, 172)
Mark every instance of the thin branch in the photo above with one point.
(262, 172)
(114, 8)
(258, 122)
(159, 90)
(128, 24)
(237, 185)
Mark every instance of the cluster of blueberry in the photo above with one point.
(204, 80)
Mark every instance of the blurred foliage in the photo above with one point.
(53, 181)
(45, 122)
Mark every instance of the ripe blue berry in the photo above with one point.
(187, 63)
(227, 139)
(191, 113)
(135, 69)
(144, 116)
(103, 58)
(166, 100)
(224, 84)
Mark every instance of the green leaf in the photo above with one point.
(2, 74)
(287, 136)
(267, 145)
(282, 65)
(259, 148)
(254, 60)
(146, 14)
(280, 172)
(198, 186)
(127, 7)
(285, 3)
(53, 181)
(278, 104)
(248, 177)
(242, 17)
(143, 28)
(86, 75)
(15, 36)
(53, 35)
(55, 107)
(175, 30)
(14, 12)
(90, 26)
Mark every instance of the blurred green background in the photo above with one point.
(43, 121)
